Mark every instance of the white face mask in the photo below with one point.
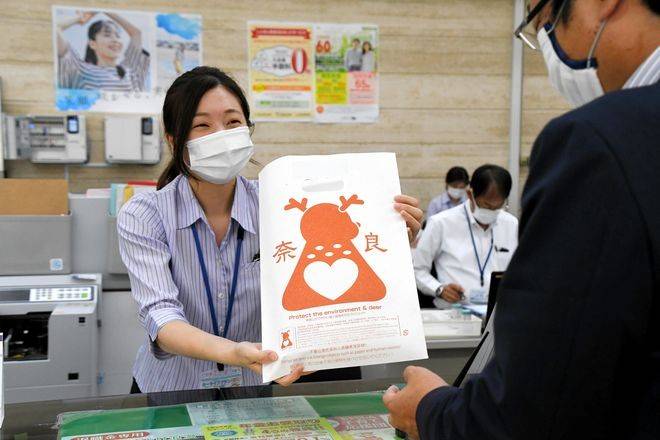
(485, 216)
(220, 156)
(576, 81)
(456, 193)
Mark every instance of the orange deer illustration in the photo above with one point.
(330, 269)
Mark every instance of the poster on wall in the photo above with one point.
(346, 73)
(330, 296)
(119, 61)
(280, 71)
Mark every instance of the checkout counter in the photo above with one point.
(344, 404)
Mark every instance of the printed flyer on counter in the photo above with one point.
(119, 61)
(276, 418)
(337, 282)
(243, 410)
(367, 427)
(299, 429)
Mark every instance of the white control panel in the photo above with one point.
(59, 294)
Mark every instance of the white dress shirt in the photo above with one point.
(447, 243)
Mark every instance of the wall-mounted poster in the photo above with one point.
(346, 72)
(281, 71)
(325, 73)
(120, 61)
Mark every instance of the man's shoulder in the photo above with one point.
(439, 199)
(615, 114)
(507, 219)
(448, 215)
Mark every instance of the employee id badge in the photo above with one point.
(479, 296)
(230, 376)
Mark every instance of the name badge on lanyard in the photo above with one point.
(479, 295)
(230, 376)
(222, 376)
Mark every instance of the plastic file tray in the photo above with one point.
(35, 244)
(440, 324)
(114, 264)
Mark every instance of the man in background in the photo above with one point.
(456, 182)
(468, 242)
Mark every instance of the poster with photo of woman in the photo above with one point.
(347, 85)
(120, 61)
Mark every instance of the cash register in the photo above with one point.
(50, 326)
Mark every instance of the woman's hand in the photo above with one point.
(84, 16)
(250, 355)
(409, 208)
(81, 18)
(131, 30)
(297, 371)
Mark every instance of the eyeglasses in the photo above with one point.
(527, 30)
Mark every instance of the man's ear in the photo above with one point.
(608, 8)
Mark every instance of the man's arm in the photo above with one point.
(569, 307)
(424, 254)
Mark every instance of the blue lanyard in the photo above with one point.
(482, 270)
(232, 290)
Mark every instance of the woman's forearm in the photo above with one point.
(66, 23)
(180, 338)
(62, 45)
(131, 30)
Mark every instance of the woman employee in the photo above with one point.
(192, 247)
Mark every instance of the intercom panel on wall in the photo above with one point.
(56, 139)
(131, 139)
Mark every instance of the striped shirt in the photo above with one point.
(74, 73)
(158, 248)
(647, 73)
(442, 203)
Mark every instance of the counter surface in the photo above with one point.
(38, 420)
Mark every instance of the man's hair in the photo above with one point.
(487, 175)
(457, 174)
(653, 5)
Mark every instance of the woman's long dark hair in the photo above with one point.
(90, 55)
(181, 102)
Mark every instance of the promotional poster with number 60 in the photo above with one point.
(337, 282)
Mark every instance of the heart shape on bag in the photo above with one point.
(331, 281)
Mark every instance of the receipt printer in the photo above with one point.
(131, 139)
(50, 326)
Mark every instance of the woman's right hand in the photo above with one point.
(250, 355)
(84, 16)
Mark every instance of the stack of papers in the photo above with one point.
(442, 324)
(478, 309)
(121, 193)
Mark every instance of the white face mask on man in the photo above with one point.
(485, 216)
(482, 215)
(456, 193)
(220, 156)
(576, 81)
